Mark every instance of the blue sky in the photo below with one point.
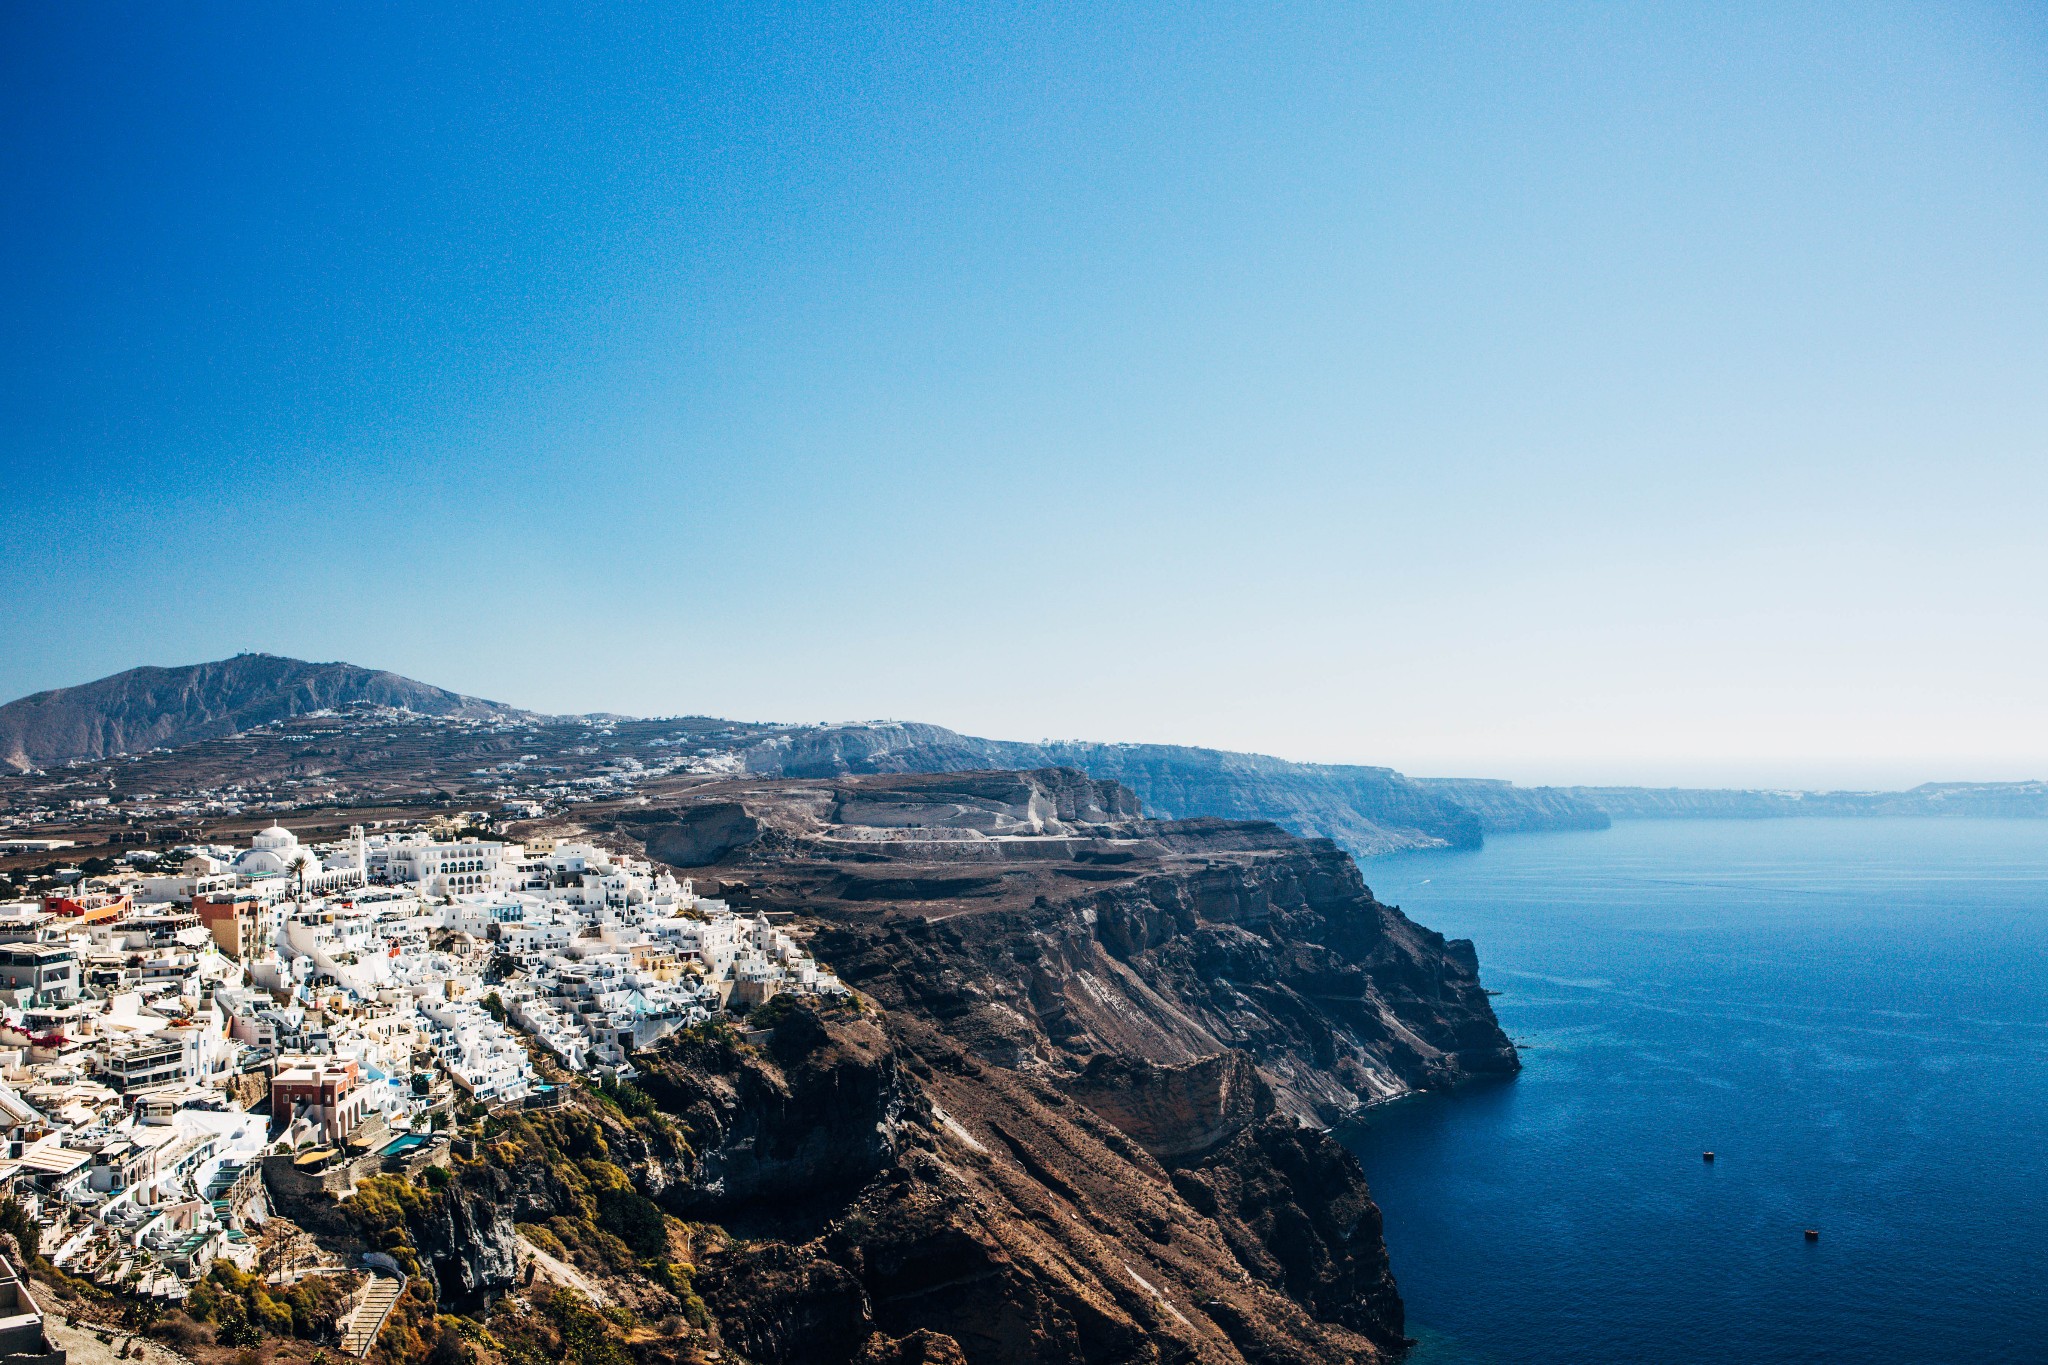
(1652, 393)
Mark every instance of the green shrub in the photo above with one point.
(635, 1220)
(245, 1310)
(628, 1098)
(588, 1338)
(15, 1219)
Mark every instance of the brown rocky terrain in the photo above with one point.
(1085, 1122)
(1050, 928)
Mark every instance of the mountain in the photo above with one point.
(146, 707)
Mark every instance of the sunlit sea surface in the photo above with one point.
(1851, 1014)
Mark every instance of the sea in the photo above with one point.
(1851, 1014)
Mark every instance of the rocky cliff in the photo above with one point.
(1504, 808)
(466, 1240)
(1082, 1118)
(1049, 926)
(812, 1112)
(985, 1217)
(1076, 1110)
(1366, 810)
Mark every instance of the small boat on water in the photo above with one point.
(1813, 1234)
(1707, 1157)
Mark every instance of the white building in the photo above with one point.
(478, 1052)
(438, 868)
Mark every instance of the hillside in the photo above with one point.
(144, 708)
(1366, 810)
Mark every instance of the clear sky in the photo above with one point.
(1634, 393)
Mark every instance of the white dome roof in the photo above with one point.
(269, 857)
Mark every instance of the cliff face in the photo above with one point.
(811, 1113)
(1003, 1223)
(1048, 927)
(1366, 810)
(1247, 941)
(1070, 1125)
(466, 1240)
(145, 707)
(1504, 808)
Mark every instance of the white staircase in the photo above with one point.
(360, 1328)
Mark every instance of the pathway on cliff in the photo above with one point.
(80, 1340)
(561, 1272)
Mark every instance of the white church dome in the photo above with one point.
(259, 862)
(274, 850)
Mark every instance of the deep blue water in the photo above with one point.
(1852, 1014)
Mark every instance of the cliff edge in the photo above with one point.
(1081, 1115)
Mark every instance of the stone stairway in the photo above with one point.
(359, 1330)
